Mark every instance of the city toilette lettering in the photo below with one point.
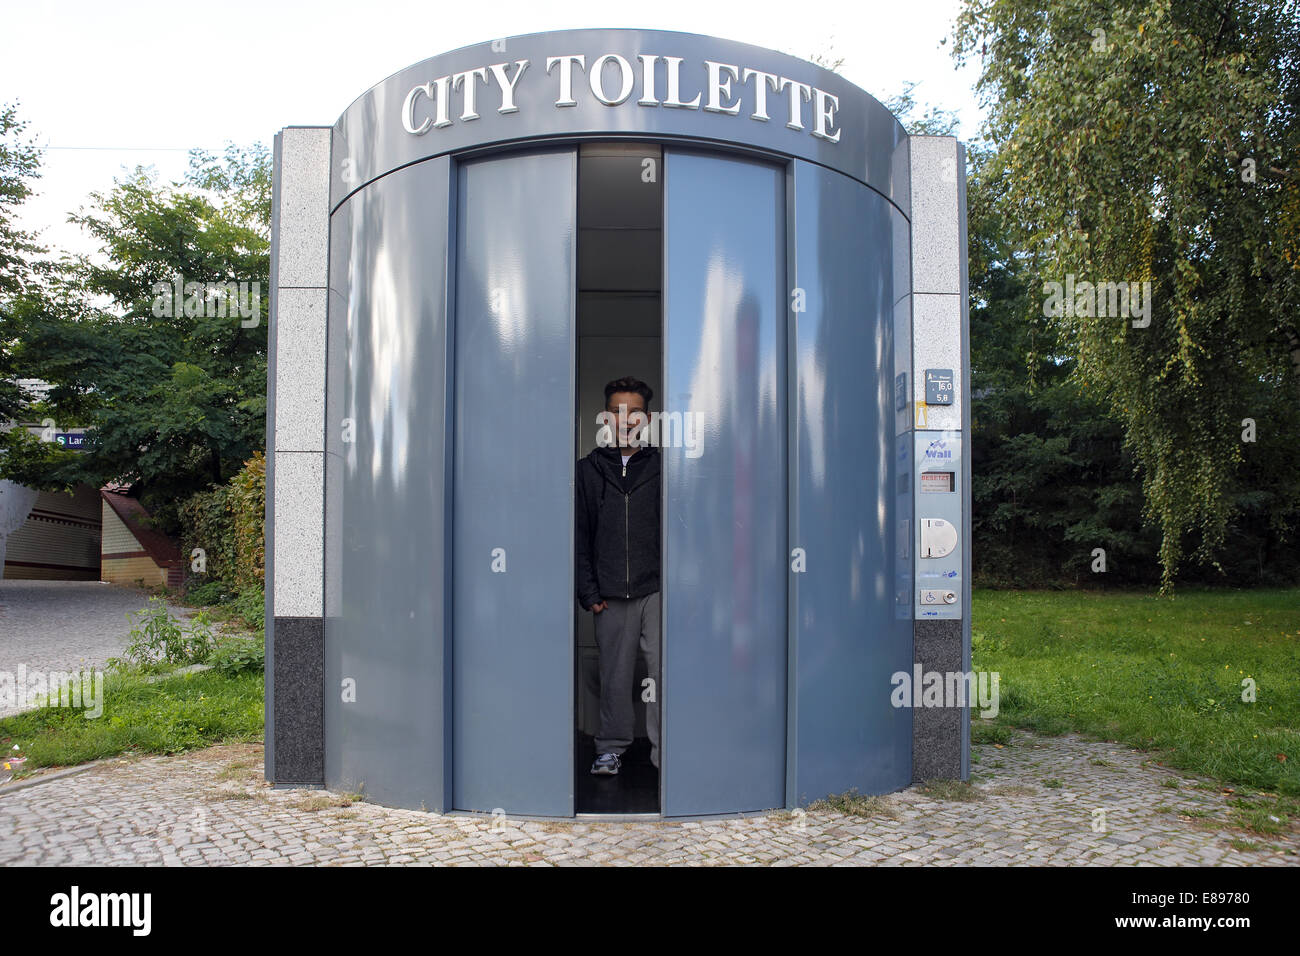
(726, 88)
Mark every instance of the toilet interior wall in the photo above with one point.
(620, 215)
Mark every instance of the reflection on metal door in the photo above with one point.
(849, 637)
(512, 658)
(724, 592)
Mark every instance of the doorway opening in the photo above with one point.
(620, 333)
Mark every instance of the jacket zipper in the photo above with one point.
(627, 536)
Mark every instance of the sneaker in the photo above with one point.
(606, 764)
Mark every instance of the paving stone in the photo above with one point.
(144, 812)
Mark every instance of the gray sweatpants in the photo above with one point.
(625, 627)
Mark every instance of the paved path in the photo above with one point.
(64, 625)
(213, 807)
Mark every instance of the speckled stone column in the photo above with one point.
(940, 340)
(295, 473)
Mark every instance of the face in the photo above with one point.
(629, 409)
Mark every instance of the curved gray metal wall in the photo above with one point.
(511, 549)
(448, 468)
(724, 529)
(848, 635)
(386, 480)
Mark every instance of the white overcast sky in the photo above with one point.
(109, 85)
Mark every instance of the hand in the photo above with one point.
(597, 608)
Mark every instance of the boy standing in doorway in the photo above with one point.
(617, 568)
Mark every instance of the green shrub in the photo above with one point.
(247, 505)
(227, 523)
(207, 592)
(239, 655)
(206, 523)
(159, 640)
(250, 607)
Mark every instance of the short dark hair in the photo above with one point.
(629, 384)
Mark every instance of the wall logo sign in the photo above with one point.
(612, 80)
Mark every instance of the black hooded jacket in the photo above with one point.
(616, 538)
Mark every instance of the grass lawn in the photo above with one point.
(172, 714)
(1153, 673)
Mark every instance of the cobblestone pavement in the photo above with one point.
(1034, 800)
(64, 625)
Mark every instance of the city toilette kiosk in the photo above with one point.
(459, 265)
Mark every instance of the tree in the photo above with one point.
(1156, 141)
(19, 166)
(934, 121)
(170, 376)
(1051, 480)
